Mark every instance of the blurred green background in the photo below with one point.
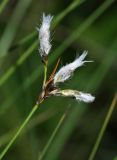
(77, 26)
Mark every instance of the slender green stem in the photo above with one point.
(19, 131)
(103, 128)
(52, 137)
(45, 75)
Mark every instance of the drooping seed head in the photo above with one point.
(80, 96)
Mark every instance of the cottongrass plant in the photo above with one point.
(51, 85)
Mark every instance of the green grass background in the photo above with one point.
(77, 26)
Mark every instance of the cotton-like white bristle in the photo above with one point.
(86, 97)
(79, 61)
(66, 71)
(44, 35)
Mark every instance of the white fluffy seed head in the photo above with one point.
(80, 96)
(85, 97)
(44, 35)
(66, 71)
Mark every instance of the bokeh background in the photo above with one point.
(77, 26)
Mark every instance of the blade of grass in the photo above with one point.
(12, 26)
(3, 5)
(66, 130)
(41, 156)
(103, 128)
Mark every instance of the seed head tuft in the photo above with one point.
(44, 35)
(66, 71)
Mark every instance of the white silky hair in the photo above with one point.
(85, 97)
(66, 71)
(44, 35)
